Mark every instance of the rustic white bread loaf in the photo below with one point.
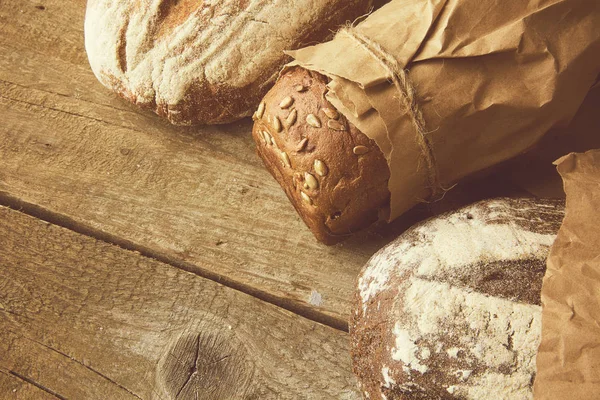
(451, 309)
(209, 61)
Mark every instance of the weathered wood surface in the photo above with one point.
(197, 198)
(14, 387)
(83, 319)
(196, 195)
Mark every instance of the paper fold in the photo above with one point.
(491, 78)
(568, 360)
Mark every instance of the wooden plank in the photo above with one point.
(80, 318)
(16, 387)
(198, 198)
(197, 195)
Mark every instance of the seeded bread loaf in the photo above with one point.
(334, 175)
(203, 61)
(451, 309)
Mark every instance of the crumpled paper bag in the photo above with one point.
(450, 87)
(568, 360)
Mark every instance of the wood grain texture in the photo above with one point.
(200, 195)
(13, 386)
(83, 319)
(198, 198)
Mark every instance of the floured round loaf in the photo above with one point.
(451, 309)
(334, 175)
(195, 61)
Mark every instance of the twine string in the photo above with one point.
(408, 100)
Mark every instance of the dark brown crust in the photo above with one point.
(354, 190)
(515, 280)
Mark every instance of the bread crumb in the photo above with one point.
(315, 298)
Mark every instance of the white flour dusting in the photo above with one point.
(449, 243)
(387, 379)
(218, 44)
(453, 352)
(406, 350)
(376, 275)
(463, 374)
(479, 345)
(497, 386)
(490, 331)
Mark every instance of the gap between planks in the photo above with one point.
(64, 221)
(34, 383)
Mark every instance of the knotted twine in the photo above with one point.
(408, 100)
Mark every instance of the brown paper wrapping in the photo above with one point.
(534, 171)
(450, 87)
(568, 360)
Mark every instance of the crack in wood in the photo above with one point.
(296, 307)
(209, 146)
(206, 364)
(194, 370)
(85, 366)
(132, 111)
(78, 362)
(36, 384)
(68, 113)
(9, 45)
(6, 310)
(219, 360)
(272, 354)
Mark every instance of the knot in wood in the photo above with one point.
(211, 364)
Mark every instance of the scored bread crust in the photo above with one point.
(334, 175)
(452, 308)
(203, 61)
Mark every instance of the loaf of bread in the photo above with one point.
(203, 61)
(451, 309)
(447, 90)
(334, 175)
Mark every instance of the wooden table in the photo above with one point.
(142, 260)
